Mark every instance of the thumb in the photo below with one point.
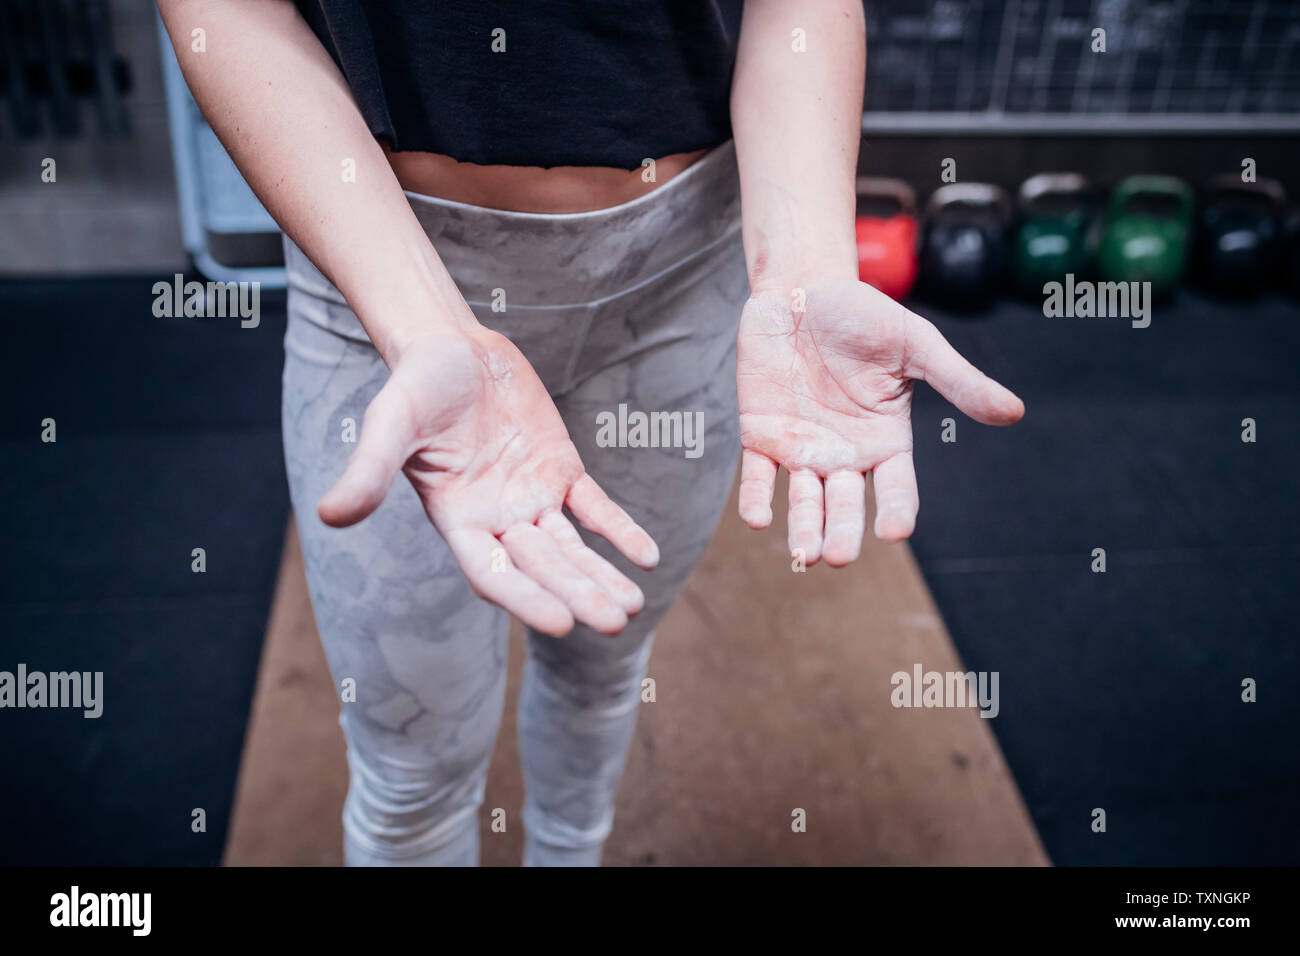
(387, 434)
(929, 357)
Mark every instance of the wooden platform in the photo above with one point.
(773, 694)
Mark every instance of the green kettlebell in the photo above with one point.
(1148, 226)
(1053, 215)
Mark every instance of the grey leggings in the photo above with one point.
(635, 306)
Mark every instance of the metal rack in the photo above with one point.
(1027, 66)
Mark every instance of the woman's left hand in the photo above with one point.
(825, 386)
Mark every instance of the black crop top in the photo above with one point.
(537, 82)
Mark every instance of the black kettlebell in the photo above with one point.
(1239, 235)
(963, 247)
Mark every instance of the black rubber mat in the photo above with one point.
(1122, 691)
(168, 439)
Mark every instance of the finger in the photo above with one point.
(806, 515)
(896, 497)
(386, 439)
(846, 517)
(620, 587)
(538, 555)
(757, 485)
(594, 510)
(929, 356)
(500, 582)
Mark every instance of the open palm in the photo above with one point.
(825, 381)
(466, 419)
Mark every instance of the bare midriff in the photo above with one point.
(557, 189)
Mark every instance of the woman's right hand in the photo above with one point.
(466, 418)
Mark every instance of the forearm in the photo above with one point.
(797, 120)
(284, 113)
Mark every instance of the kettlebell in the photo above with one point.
(963, 249)
(1238, 234)
(886, 231)
(1148, 225)
(1053, 214)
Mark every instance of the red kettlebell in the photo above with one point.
(887, 229)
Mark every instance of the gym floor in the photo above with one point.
(1119, 691)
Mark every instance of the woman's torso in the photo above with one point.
(536, 107)
(559, 189)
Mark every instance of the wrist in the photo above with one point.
(412, 302)
(804, 251)
(767, 278)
